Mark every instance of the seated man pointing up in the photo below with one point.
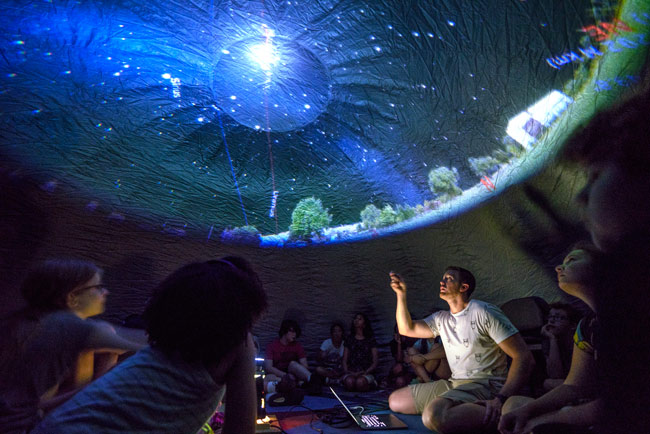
(476, 336)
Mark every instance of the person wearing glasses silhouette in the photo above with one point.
(48, 349)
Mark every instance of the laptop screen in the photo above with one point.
(372, 421)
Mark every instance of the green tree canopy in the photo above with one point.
(443, 182)
(309, 216)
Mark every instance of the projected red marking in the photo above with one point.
(487, 182)
(604, 31)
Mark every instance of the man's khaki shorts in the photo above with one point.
(458, 391)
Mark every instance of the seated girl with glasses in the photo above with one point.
(48, 349)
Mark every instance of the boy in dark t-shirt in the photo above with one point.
(283, 354)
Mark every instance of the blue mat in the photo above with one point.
(326, 414)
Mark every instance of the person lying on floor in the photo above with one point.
(199, 321)
(477, 337)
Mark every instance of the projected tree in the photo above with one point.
(309, 218)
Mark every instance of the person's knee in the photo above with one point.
(299, 370)
(514, 402)
(401, 401)
(431, 366)
(394, 402)
(350, 382)
(362, 384)
(294, 365)
(435, 416)
(552, 383)
(400, 382)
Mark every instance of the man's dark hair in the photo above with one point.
(203, 310)
(47, 286)
(572, 314)
(288, 324)
(619, 134)
(464, 276)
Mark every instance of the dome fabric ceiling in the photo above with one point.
(199, 117)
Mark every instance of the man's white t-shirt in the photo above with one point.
(470, 338)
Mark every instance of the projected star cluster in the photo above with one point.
(274, 84)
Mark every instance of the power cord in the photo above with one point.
(337, 418)
(314, 417)
(280, 430)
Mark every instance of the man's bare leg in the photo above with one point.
(401, 401)
(443, 416)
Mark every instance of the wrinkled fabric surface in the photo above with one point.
(196, 117)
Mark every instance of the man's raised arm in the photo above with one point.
(406, 326)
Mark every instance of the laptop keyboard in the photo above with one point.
(371, 420)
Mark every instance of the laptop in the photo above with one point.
(374, 421)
